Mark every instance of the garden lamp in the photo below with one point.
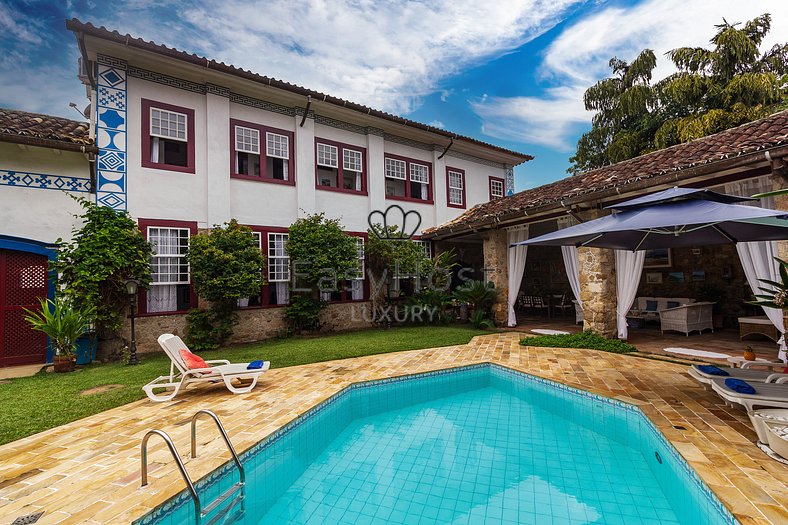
(132, 287)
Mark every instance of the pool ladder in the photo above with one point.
(235, 493)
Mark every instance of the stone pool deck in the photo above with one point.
(88, 471)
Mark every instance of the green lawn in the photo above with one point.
(32, 404)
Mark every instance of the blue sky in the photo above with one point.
(511, 73)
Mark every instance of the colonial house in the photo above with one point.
(745, 160)
(184, 143)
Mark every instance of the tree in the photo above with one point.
(226, 265)
(322, 256)
(104, 252)
(714, 89)
(623, 124)
(725, 86)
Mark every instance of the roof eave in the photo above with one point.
(63, 145)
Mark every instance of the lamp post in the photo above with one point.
(132, 287)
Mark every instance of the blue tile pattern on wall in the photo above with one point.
(111, 117)
(43, 181)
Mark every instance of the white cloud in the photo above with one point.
(579, 56)
(386, 54)
(437, 124)
(22, 28)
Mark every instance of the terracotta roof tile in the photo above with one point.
(754, 136)
(21, 124)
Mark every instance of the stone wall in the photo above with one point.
(597, 269)
(496, 263)
(255, 324)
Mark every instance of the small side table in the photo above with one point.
(636, 321)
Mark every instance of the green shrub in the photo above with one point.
(431, 305)
(480, 321)
(207, 329)
(588, 340)
(303, 312)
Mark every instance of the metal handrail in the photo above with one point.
(213, 416)
(186, 478)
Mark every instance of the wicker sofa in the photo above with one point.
(687, 318)
(650, 307)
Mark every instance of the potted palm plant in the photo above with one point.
(63, 324)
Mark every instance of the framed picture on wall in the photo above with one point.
(659, 258)
(698, 275)
(654, 278)
(676, 277)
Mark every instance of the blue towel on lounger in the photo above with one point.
(739, 386)
(254, 365)
(712, 370)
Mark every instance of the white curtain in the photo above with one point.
(154, 149)
(750, 187)
(517, 255)
(282, 293)
(163, 298)
(358, 181)
(572, 271)
(425, 193)
(629, 267)
(357, 289)
(757, 259)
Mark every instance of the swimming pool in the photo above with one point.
(480, 444)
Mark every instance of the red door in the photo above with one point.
(23, 279)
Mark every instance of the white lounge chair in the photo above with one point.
(181, 375)
(773, 395)
(745, 374)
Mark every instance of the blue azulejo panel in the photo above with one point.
(43, 181)
(475, 445)
(111, 118)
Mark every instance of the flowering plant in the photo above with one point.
(776, 295)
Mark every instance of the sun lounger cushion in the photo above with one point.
(651, 306)
(193, 361)
(712, 370)
(737, 385)
(254, 365)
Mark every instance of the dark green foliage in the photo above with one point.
(322, 255)
(386, 257)
(478, 295)
(320, 251)
(61, 322)
(105, 251)
(776, 295)
(303, 312)
(208, 328)
(588, 340)
(714, 89)
(226, 265)
(479, 319)
(431, 306)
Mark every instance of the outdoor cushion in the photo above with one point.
(193, 361)
(737, 385)
(712, 370)
(255, 365)
(673, 304)
(651, 306)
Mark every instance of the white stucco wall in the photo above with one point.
(209, 196)
(35, 213)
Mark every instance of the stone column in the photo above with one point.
(597, 268)
(496, 269)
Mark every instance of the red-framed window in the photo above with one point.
(261, 153)
(497, 188)
(167, 137)
(455, 187)
(170, 289)
(408, 179)
(276, 279)
(340, 167)
(353, 286)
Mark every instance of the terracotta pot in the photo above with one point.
(749, 355)
(64, 364)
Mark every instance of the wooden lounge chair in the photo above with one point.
(181, 375)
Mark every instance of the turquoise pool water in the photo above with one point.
(474, 445)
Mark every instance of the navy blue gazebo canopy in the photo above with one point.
(673, 218)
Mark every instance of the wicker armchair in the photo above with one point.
(687, 318)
